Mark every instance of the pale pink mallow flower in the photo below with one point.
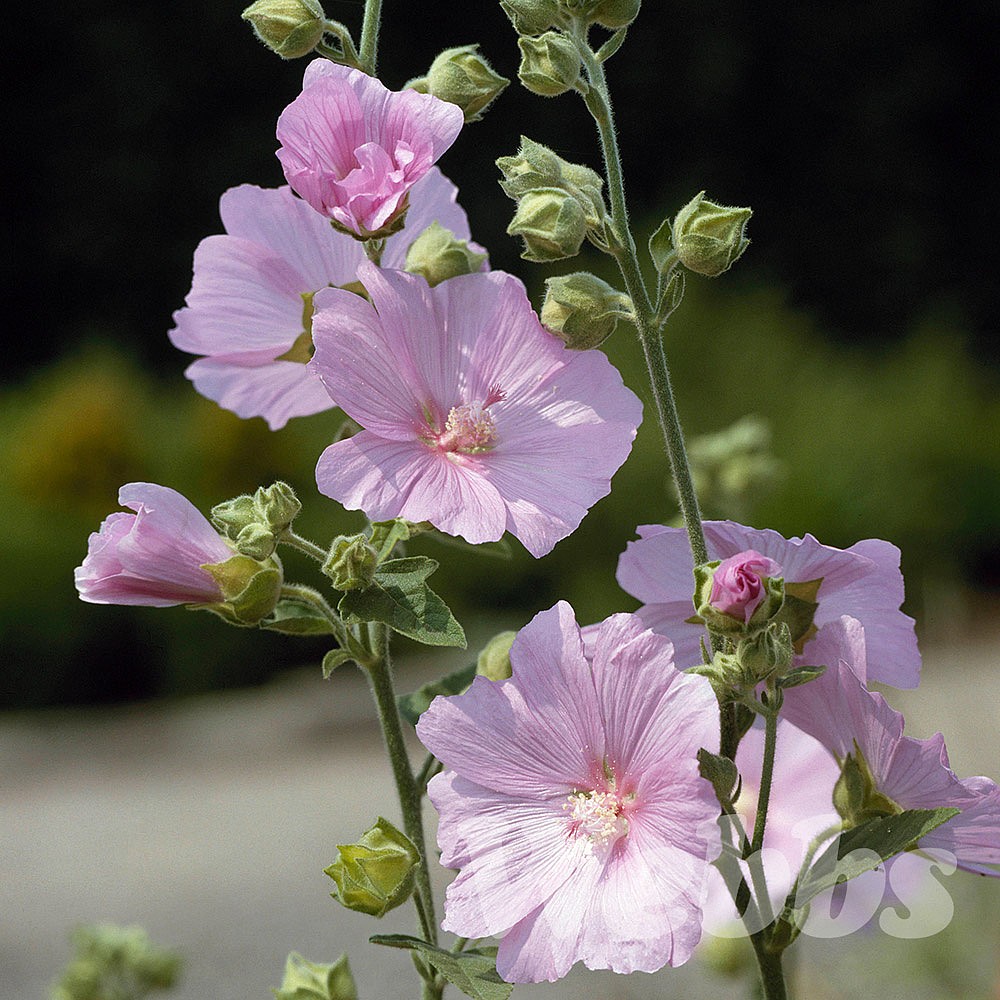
(154, 556)
(475, 418)
(353, 149)
(572, 803)
(737, 588)
(863, 581)
(249, 311)
(839, 711)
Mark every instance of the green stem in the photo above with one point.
(767, 773)
(304, 545)
(383, 689)
(772, 977)
(598, 101)
(368, 48)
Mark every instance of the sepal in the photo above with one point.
(461, 76)
(582, 310)
(550, 63)
(289, 28)
(437, 255)
(708, 238)
(250, 589)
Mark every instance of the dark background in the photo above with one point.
(862, 135)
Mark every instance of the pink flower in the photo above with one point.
(353, 149)
(249, 310)
(863, 581)
(572, 802)
(736, 584)
(476, 418)
(848, 719)
(154, 556)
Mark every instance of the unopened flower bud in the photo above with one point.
(536, 166)
(305, 980)
(255, 523)
(767, 653)
(351, 563)
(532, 17)
(552, 224)
(550, 64)
(438, 254)
(461, 76)
(376, 874)
(289, 28)
(615, 14)
(582, 310)
(710, 238)
(494, 661)
(739, 594)
(250, 588)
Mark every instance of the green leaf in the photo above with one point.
(612, 45)
(720, 771)
(387, 534)
(661, 246)
(800, 675)
(413, 705)
(400, 598)
(294, 617)
(474, 972)
(865, 847)
(334, 659)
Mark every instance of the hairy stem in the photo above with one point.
(368, 48)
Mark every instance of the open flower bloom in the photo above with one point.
(249, 311)
(353, 149)
(572, 801)
(906, 773)
(154, 556)
(863, 581)
(475, 417)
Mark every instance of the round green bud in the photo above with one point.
(710, 238)
(550, 64)
(289, 28)
(305, 980)
(615, 14)
(438, 255)
(494, 660)
(552, 224)
(351, 563)
(532, 17)
(463, 77)
(582, 310)
(376, 874)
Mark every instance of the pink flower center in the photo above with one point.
(470, 428)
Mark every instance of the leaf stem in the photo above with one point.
(303, 545)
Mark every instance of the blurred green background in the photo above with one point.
(859, 325)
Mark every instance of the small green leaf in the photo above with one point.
(661, 246)
(413, 705)
(334, 659)
(401, 599)
(474, 972)
(865, 847)
(294, 617)
(386, 535)
(720, 771)
(798, 610)
(612, 45)
(800, 675)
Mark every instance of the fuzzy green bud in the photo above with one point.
(250, 588)
(438, 254)
(535, 166)
(305, 980)
(255, 523)
(532, 17)
(461, 76)
(552, 224)
(494, 660)
(550, 64)
(855, 796)
(376, 874)
(289, 28)
(351, 563)
(710, 238)
(766, 653)
(582, 310)
(614, 14)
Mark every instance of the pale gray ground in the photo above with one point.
(209, 822)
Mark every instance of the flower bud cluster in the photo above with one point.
(559, 203)
(253, 524)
